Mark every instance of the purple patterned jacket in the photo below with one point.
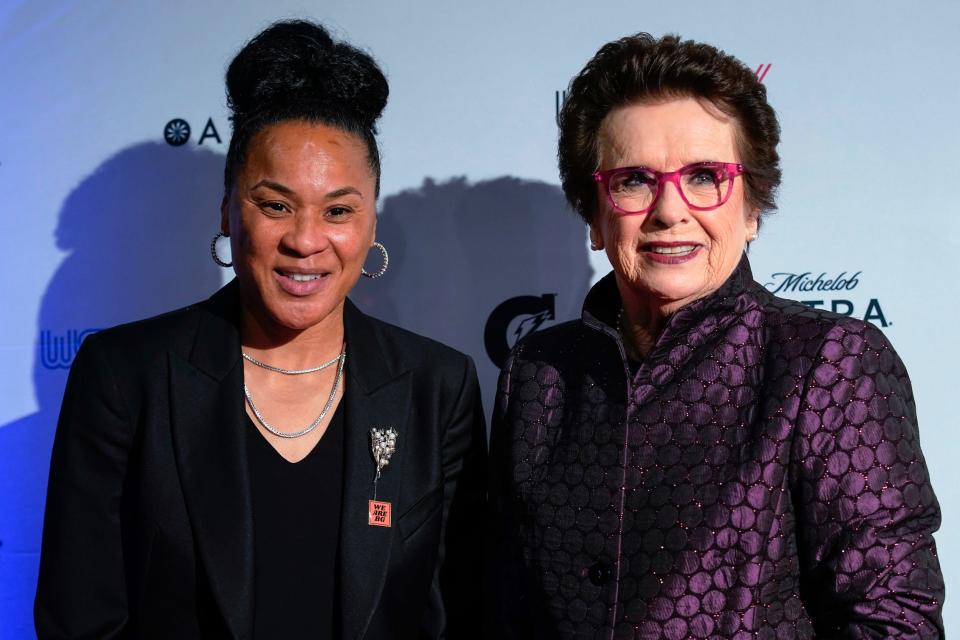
(759, 475)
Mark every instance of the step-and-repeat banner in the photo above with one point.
(114, 129)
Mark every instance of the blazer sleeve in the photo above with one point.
(456, 593)
(81, 591)
(865, 507)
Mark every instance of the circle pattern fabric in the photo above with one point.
(758, 475)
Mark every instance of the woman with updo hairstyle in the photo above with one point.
(272, 462)
(695, 457)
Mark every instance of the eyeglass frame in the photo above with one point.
(733, 169)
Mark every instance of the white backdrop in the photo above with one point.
(103, 221)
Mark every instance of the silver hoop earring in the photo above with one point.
(386, 262)
(213, 251)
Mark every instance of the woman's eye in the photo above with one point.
(274, 207)
(705, 177)
(635, 180)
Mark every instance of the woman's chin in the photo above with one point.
(671, 290)
(297, 315)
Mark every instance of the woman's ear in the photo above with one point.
(753, 224)
(596, 238)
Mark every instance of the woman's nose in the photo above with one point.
(305, 235)
(670, 208)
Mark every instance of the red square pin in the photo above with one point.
(378, 514)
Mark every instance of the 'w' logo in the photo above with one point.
(58, 351)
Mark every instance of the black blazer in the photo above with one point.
(148, 530)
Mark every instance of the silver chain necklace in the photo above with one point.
(290, 372)
(342, 358)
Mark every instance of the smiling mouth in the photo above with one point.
(302, 277)
(678, 250)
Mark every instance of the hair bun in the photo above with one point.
(297, 63)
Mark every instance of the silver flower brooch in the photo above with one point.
(383, 444)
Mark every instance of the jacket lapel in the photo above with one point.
(207, 418)
(377, 396)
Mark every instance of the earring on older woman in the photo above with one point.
(213, 251)
(386, 262)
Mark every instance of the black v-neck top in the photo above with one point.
(296, 524)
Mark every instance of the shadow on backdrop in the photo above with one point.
(478, 266)
(136, 233)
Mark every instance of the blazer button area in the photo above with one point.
(600, 573)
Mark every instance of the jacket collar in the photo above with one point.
(216, 345)
(692, 325)
(602, 304)
(378, 395)
(373, 362)
(207, 419)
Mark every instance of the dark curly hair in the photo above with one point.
(641, 67)
(294, 70)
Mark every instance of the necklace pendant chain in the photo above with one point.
(341, 359)
(292, 372)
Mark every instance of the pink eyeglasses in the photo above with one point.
(702, 185)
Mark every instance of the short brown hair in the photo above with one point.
(640, 67)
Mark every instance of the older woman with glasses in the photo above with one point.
(696, 457)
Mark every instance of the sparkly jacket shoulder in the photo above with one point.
(759, 475)
(148, 527)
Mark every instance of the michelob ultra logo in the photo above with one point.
(790, 282)
(819, 291)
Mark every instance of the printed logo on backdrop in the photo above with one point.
(177, 132)
(823, 291)
(57, 350)
(514, 319)
(762, 71)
